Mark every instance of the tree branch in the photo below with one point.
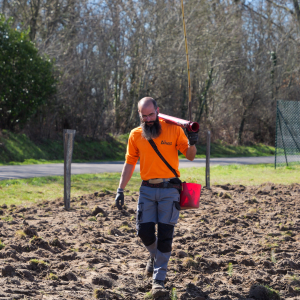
(281, 6)
(261, 15)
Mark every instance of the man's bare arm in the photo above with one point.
(126, 175)
(191, 152)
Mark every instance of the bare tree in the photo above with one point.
(111, 53)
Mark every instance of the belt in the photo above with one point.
(159, 180)
(163, 185)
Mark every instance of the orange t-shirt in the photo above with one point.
(171, 139)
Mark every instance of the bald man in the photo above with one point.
(159, 192)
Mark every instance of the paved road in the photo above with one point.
(27, 171)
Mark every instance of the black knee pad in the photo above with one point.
(165, 237)
(146, 231)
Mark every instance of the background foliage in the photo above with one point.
(110, 53)
(26, 78)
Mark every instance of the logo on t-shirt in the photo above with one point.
(166, 143)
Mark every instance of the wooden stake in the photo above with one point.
(68, 135)
(207, 176)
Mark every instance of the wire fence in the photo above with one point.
(287, 133)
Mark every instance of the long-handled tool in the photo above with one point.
(188, 64)
(189, 125)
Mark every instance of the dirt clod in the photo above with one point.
(98, 210)
(68, 276)
(181, 254)
(31, 232)
(8, 271)
(259, 292)
(102, 280)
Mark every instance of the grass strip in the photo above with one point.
(31, 190)
(18, 149)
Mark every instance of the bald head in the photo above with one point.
(148, 112)
(147, 102)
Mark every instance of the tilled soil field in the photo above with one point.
(243, 243)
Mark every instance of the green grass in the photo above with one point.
(7, 218)
(31, 190)
(18, 149)
(174, 294)
(52, 276)
(230, 269)
(273, 258)
(20, 234)
(271, 291)
(38, 262)
(243, 174)
(1, 245)
(148, 296)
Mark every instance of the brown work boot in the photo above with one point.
(150, 266)
(158, 288)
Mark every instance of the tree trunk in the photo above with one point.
(242, 124)
(297, 10)
(241, 129)
(35, 8)
(4, 6)
(203, 96)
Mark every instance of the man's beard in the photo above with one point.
(151, 132)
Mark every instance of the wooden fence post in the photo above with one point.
(207, 175)
(68, 135)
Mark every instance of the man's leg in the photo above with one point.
(146, 231)
(146, 220)
(164, 247)
(168, 215)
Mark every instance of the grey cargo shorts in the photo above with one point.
(158, 205)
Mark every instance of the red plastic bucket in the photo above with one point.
(190, 195)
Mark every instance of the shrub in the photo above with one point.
(26, 78)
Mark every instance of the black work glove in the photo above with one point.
(119, 201)
(192, 137)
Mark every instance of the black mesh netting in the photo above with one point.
(287, 133)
